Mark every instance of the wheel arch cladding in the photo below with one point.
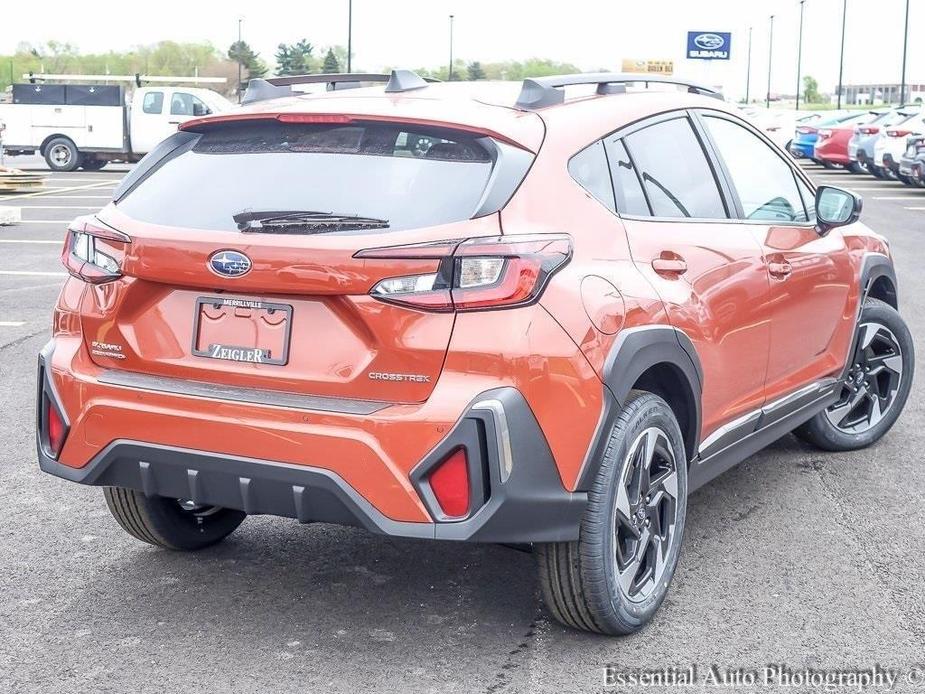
(878, 279)
(662, 360)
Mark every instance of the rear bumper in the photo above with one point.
(802, 149)
(517, 494)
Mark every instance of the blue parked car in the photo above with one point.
(804, 139)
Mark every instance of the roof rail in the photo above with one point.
(275, 87)
(540, 92)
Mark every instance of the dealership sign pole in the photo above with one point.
(748, 74)
(902, 88)
(841, 56)
(767, 101)
(800, 53)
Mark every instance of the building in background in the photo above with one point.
(883, 93)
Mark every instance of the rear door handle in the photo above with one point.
(779, 269)
(670, 266)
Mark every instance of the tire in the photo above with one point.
(62, 155)
(93, 164)
(878, 382)
(855, 168)
(166, 523)
(581, 581)
(828, 164)
(876, 171)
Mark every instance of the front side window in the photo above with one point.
(765, 183)
(183, 104)
(153, 103)
(676, 176)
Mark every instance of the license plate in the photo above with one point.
(242, 330)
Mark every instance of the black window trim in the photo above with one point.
(721, 181)
(698, 116)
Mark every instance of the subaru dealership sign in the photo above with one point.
(708, 45)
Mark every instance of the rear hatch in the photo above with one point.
(241, 268)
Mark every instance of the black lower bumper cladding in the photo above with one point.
(529, 506)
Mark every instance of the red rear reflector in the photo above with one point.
(870, 130)
(450, 484)
(898, 133)
(55, 426)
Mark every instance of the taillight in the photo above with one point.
(475, 274)
(449, 482)
(806, 130)
(93, 252)
(898, 133)
(823, 134)
(55, 428)
(869, 130)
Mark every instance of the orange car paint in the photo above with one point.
(757, 337)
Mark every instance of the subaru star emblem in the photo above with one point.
(229, 263)
(709, 42)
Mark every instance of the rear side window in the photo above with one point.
(589, 169)
(627, 188)
(153, 103)
(410, 178)
(676, 176)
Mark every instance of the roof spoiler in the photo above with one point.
(276, 87)
(539, 92)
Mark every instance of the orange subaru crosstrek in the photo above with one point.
(536, 314)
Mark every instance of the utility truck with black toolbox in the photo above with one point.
(87, 125)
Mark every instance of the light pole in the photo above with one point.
(902, 88)
(841, 56)
(800, 53)
(240, 19)
(767, 101)
(349, 32)
(449, 77)
(748, 74)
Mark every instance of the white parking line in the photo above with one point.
(40, 241)
(32, 273)
(914, 208)
(78, 197)
(52, 191)
(43, 221)
(11, 323)
(60, 207)
(898, 197)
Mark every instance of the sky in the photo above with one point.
(591, 34)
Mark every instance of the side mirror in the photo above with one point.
(836, 208)
(200, 110)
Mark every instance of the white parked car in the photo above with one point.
(890, 144)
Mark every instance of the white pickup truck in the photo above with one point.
(89, 125)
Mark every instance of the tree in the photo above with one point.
(475, 70)
(302, 58)
(241, 53)
(811, 90)
(283, 59)
(331, 63)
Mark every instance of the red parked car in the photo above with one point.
(482, 313)
(832, 145)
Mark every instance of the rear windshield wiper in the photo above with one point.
(303, 221)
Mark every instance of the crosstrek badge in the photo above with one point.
(106, 349)
(413, 378)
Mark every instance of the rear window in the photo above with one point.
(410, 177)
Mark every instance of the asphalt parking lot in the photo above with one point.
(798, 557)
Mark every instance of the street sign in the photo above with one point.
(656, 67)
(708, 45)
